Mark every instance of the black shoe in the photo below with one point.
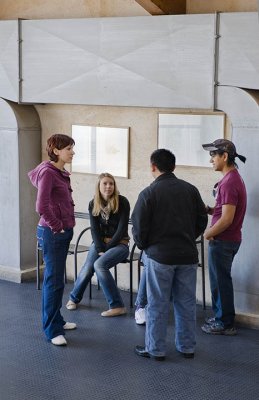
(141, 351)
(187, 355)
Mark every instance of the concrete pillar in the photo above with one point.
(242, 107)
(20, 151)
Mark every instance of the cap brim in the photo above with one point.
(209, 147)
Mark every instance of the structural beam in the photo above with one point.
(158, 7)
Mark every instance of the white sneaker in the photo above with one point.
(140, 316)
(69, 326)
(59, 341)
(71, 305)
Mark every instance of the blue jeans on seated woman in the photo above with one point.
(101, 265)
(55, 247)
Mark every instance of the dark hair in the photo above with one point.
(58, 141)
(163, 159)
(231, 157)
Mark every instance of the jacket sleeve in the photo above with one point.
(95, 230)
(123, 223)
(52, 216)
(202, 217)
(141, 218)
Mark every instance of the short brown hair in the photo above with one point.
(58, 141)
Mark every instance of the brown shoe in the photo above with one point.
(114, 312)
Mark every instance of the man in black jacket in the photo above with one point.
(168, 217)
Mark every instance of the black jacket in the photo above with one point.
(168, 217)
(116, 227)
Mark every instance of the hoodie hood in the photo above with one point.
(36, 172)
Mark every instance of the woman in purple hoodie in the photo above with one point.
(55, 230)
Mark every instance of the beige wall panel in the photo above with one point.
(211, 6)
(143, 123)
(38, 9)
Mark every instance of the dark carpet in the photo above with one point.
(99, 362)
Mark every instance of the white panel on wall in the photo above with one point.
(162, 61)
(239, 50)
(9, 60)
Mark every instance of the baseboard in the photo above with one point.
(17, 276)
(10, 274)
(247, 321)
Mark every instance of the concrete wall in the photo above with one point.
(20, 134)
(143, 122)
(38, 9)
(211, 6)
(162, 61)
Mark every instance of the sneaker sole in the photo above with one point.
(224, 333)
(229, 333)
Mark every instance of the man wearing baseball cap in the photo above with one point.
(224, 235)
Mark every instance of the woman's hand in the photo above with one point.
(101, 253)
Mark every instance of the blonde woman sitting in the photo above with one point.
(109, 217)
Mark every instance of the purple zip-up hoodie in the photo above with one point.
(54, 199)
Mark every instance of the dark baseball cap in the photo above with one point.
(224, 145)
(221, 145)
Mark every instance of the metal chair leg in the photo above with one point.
(115, 273)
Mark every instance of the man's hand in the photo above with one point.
(226, 219)
(208, 235)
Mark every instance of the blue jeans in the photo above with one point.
(101, 265)
(220, 256)
(141, 300)
(166, 283)
(55, 248)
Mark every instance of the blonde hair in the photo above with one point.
(99, 202)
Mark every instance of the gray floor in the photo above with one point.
(99, 362)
